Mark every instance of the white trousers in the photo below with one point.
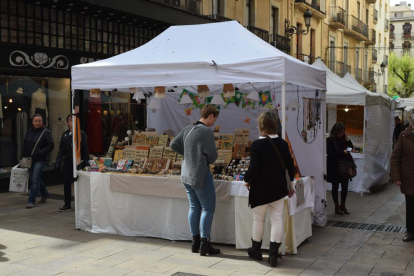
(276, 220)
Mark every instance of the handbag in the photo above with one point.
(26, 162)
(290, 189)
(347, 169)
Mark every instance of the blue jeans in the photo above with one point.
(201, 199)
(35, 173)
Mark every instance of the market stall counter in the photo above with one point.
(157, 206)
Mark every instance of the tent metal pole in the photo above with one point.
(363, 147)
(75, 173)
(283, 110)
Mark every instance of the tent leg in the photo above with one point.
(363, 148)
(283, 106)
(75, 173)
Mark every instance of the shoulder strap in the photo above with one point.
(189, 132)
(37, 141)
(279, 156)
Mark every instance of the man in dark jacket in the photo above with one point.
(38, 143)
(64, 161)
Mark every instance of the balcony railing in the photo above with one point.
(347, 69)
(219, 17)
(315, 4)
(374, 55)
(392, 35)
(409, 35)
(386, 25)
(193, 6)
(306, 58)
(358, 26)
(385, 60)
(174, 3)
(339, 68)
(369, 76)
(280, 42)
(375, 16)
(263, 34)
(358, 74)
(338, 17)
(371, 37)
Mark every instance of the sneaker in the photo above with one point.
(43, 199)
(65, 208)
(29, 205)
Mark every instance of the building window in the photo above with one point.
(274, 25)
(407, 29)
(391, 46)
(28, 24)
(406, 47)
(332, 53)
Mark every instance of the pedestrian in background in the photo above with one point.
(64, 161)
(38, 143)
(402, 173)
(337, 146)
(397, 129)
(196, 143)
(267, 183)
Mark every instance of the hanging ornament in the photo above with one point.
(228, 90)
(159, 92)
(203, 90)
(247, 120)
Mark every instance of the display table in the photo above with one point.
(356, 185)
(162, 210)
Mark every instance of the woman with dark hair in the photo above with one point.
(337, 149)
(64, 161)
(38, 143)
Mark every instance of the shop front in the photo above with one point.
(40, 42)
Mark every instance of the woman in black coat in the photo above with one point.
(336, 146)
(64, 161)
(267, 184)
(38, 132)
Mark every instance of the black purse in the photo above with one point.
(347, 169)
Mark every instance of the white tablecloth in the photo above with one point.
(100, 210)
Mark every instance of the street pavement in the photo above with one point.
(41, 241)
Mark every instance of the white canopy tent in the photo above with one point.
(209, 54)
(378, 126)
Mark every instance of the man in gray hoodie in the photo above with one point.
(196, 143)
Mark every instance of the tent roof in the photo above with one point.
(372, 98)
(342, 91)
(184, 55)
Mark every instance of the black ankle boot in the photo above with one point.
(255, 252)
(207, 249)
(274, 253)
(195, 247)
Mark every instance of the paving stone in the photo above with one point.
(49, 252)
(98, 270)
(356, 269)
(33, 261)
(66, 263)
(194, 269)
(8, 268)
(101, 251)
(135, 254)
(35, 272)
(148, 266)
(194, 260)
(245, 266)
